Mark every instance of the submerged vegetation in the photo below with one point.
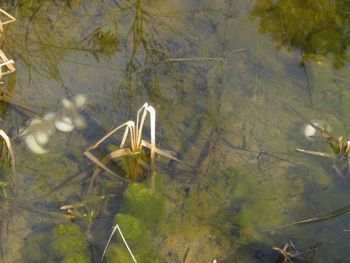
(317, 28)
(133, 155)
(240, 193)
(138, 222)
(340, 148)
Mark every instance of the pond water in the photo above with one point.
(233, 83)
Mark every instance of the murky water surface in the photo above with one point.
(233, 84)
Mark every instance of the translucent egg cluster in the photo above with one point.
(65, 119)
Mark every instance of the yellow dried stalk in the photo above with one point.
(4, 61)
(116, 227)
(9, 148)
(10, 18)
(136, 142)
(6, 65)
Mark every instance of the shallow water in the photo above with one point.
(233, 84)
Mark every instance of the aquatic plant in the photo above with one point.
(316, 28)
(141, 212)
(35, 250)
(68, 239)
(134, 131)
(144, 204)
(86, 210)
(117, 253)
(105, 39)
(3, 186)
(76, 258)
(64, 245)
(133, 228)
(68, 244)
(137, 242)
(115, 228)
(339, 146)
(67, 230)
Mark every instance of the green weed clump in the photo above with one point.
(35, 249)
(135, 232)
(117, 253)
(144, 204)
(76, 258)
(142, 211)
(69, 243)
(138, 238)
(68, 230)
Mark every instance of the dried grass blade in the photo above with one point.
(143, 164)
(152, 113)
(165, 153)
(125, 136)
(9, 147)
(139, 125)
(322, 154)
(119, 153)
(99, 163)
(126, 244)
(11, 18)
(109, 241)
(6, 62)
(1, 30)
(115, 228)
(128, 123)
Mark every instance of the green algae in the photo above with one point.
(143, 204)
(76, 258)
(68, 229)
(36, 249)
(138, 239)
(117, 253)
(65, 245)
(321, 32)
(134, 231)
(69, 240)
(142, 212)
